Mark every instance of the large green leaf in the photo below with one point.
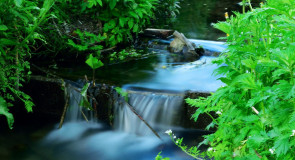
(93, 62)
(5, 111)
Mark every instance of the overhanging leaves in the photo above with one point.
(5, 111)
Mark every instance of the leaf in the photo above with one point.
(223, 26)
(5, 111)
(282, 145)
(130, 24)
(121, 22)
(249, 63)
(133, 14)
(3, 28)
(99, 2)
(93, 62)
(122, 93)
(84, 101)
(135, 28)
(18, 3)
(5, 41)
(84, 89)
(112, 4)
(246, 80)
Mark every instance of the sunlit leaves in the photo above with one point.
(258, 101)
(92, 3)
(93, 62)
(122, 92)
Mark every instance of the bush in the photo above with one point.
(256, 113)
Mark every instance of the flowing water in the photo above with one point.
(160, 111)
(130, 138)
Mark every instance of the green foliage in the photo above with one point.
(120, 18)
(167, 8)
(122, 93)
(125, 53)
(255, 110)
(84, 100)
(19, 29)
(159, 157)
(93, 62)
(28, 26)
(87, 42)
(5, 111)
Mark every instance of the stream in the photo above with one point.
(156, 87)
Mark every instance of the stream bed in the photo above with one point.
(146, 79)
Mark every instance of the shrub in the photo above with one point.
(256, 107)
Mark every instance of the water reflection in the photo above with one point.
(196, 17)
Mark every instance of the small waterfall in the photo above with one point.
(161, 111)
(75, 111)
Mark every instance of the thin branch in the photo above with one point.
(84, 115)
(64, 112)
(145, 122)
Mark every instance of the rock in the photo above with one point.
(176, 46)
(182, 45)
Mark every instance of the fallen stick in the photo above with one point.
(64, 113)
(145, 122)
(84, 116)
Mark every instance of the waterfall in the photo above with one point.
(75, 111)
(160, 111)
(78, 139)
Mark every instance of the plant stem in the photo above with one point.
(244, 6)
(93, 77)
(251, 8)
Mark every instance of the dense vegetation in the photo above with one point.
(51, 27)
(254, 112)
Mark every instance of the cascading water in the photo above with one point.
(76, 112)
(161, 111)
(78, 139)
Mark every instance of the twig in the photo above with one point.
(134, 111)
(64, 113)
(108, 49)
(45, 71)
(58, 31)
(84, 115)
(255, 110)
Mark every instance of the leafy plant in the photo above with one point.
(255, 110)
(168, 8)
(19, 29)
(192, 151)
(94, 63)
